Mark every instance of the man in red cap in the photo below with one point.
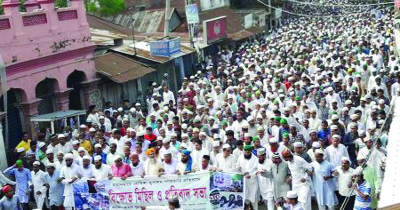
(9, 201)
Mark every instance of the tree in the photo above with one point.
(105, 7)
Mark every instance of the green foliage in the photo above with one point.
(61, 3)
(105, 7)
(1, 8)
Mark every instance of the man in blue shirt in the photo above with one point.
(363, 190)
(22, 178)
(9, 201)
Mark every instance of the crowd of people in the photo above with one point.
(302, 113)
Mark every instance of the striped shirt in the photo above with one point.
(360, 203)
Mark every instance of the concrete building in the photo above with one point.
(49, 63)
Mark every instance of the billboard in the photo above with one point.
(192, 14)
(165, 48)
(248, 20)
(214, 29)
(212, 4)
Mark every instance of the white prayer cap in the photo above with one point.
(120, 109)
(202, 133)
(226, 146)
(41, 144)
(249, 118)
(165, 140)
(60, 153)
(297, 144)
(89, 120)
(81, 149)
(92, 130)
(247, 135)
(353, 116)
(101, 118)
(260, 151)
(117, 157)
(316, 144)
(216, 143)
(184, 126)
(334, 101)
(335, 117)
(291, 194)
(273, 140)
(360, 156)
(381, 101)
(185, 135)
(87, 157)
(20, 150)
(215, 126)
(169, 123)
(60, 136)
(245, 125)
(140, 134)
(346, 159)
(159, 138)
(319, 151)
(132, 110)
(51, 165)
(83, 126)
(167, 152)
(348, 102)
(97, 146)
(345, 109)
(353, 125)
(49, 151)
(97, 158)
(173, 135)
(69, 156)
(37, 163)
(75, 142)
(286, 109)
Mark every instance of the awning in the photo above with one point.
(119, 68)
(57, 115)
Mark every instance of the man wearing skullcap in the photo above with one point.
(87, 167)
(364, 190)
(169, 163)
(323, 183)
(9, 201)
(373, 177)
(113, 153)
(167, 148)
(101, 170)
(279, 174)
(68, 175)
(264, 182)
(38, 181)
(301, 180)
(56, 189)
(226, 161)
(344, 173)
(247, 165)
(152, 166)
(120, 169)
(22, 178)
(336, 151)
(299, 150)
(293, 202)
(98, 151)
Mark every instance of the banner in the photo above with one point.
(248, 20)
(195, 191)
(192, 14)
(165, 48)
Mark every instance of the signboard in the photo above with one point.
(261, 20)
(214, 30)
(165, 48)
(212, 4)
(205, 190)
(192, 14)
(278, 13)
(248, 20)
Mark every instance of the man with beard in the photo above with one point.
(274, 147)
(22, 178)
(323, 183)
(247, 165)
(344, 174)
(278, 171)
(101, 170)
(152, 166)
(264, 182)
(121, 169)
(136, 165)
(186, 164)
(301, 171)
(169, 163)
(38, 181)
(9, 201)
(87, 168)
(68, 175)
(56, 189)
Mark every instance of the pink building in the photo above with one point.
(49, 60)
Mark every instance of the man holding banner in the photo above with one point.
(247, 165)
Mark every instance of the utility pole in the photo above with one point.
(4, 90)
(166, 21)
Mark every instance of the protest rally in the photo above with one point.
(297, 118)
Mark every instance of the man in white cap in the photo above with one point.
(64, 145)
(274, 147)
(38, 181)
(103, 125)
(49, 157)
(56, 189)
(345, 174)
(336, 151)
(87, 167)
(168, 95)
(215, 151)
(323, 184)
(311, 152)
(363, 189)
(68, 175)
(169, 163)
(101, 171)
(136, 165)
(225, 161)
(247, 165)
(264, 182)
(292, 202)
(278, 172)
(60, 162)
(134, 117)
(301, 180)
(168, 149)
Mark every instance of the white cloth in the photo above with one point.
(87, 172)
(102, 172)
(343, 179)
(324, 190)
(225, 164)
(68, 173)
(171, 167)
(38, 180)
(298, 167)
(249, 166)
